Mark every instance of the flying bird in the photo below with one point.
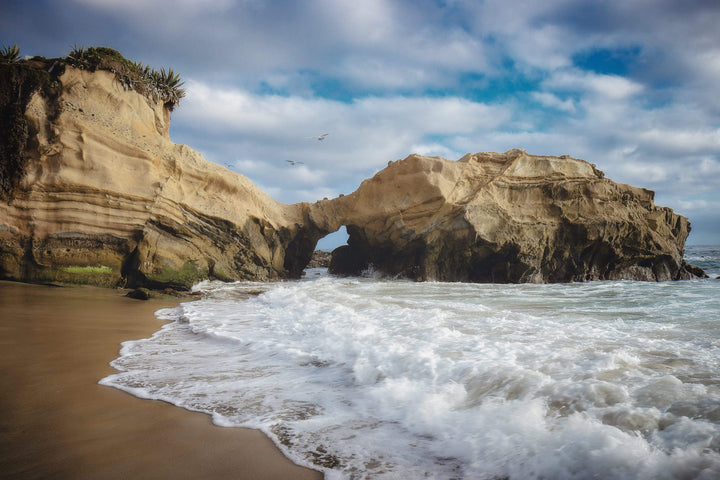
(320, 137)
(294, 162)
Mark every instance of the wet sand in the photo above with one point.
(56, 422)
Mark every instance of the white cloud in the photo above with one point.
(681, 142)
(612, 87)
(699, 204)
(708, 62)
(374, 73)
(295, 118)
(170, 8)
(434, 150)
(643, 173)
(550, 100)
(515, 27)
(432, 116)
(373, 44)
(710, 166)
(240, 111)
(361, 23)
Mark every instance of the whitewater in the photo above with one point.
(393, 379)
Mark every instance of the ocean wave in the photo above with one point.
(369, 378)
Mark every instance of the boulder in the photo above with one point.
(139, 294)
(320, 259)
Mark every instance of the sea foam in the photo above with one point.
(366, 378)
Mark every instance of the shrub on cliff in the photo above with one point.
(9, 54)
(160, 86)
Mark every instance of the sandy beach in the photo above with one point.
(58, 423)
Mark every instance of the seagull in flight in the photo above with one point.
(320, 137)
(294, 162)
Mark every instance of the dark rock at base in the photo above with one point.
(139, 294)
(320, 259)
(695, 270)
(348, 261)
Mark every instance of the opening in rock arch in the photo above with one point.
(331, 241)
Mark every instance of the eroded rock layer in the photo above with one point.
(101, 195)
(505, 217)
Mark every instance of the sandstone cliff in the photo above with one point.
(505, 217)
(99, 194)
(92, 190)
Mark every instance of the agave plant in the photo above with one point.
(10, 54)
(154, 84)
(170, 78)
(142, 71)
(77, 57)
(171, 87)
(136, 76)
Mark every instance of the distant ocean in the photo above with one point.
(392, 379)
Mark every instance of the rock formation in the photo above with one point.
(92, 190)
(504, 217)
(95, 192)
(320, 259)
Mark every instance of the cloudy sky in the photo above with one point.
(630, 85)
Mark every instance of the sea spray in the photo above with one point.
(366, 378)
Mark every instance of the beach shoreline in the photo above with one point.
(58, 422)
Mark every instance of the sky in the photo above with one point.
(632, 86)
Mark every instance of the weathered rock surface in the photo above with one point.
(504, 217)
(320, 259)
(101, 195)
(92, 190)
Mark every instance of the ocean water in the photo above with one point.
(392, 379)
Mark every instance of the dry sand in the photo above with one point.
(56, 422)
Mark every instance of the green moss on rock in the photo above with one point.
(87, 269)
(100, 276)
(183, 279)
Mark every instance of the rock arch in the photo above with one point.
(504, 217)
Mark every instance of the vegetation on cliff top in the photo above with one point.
(157, 85)
(9, 54)
(160, 86)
